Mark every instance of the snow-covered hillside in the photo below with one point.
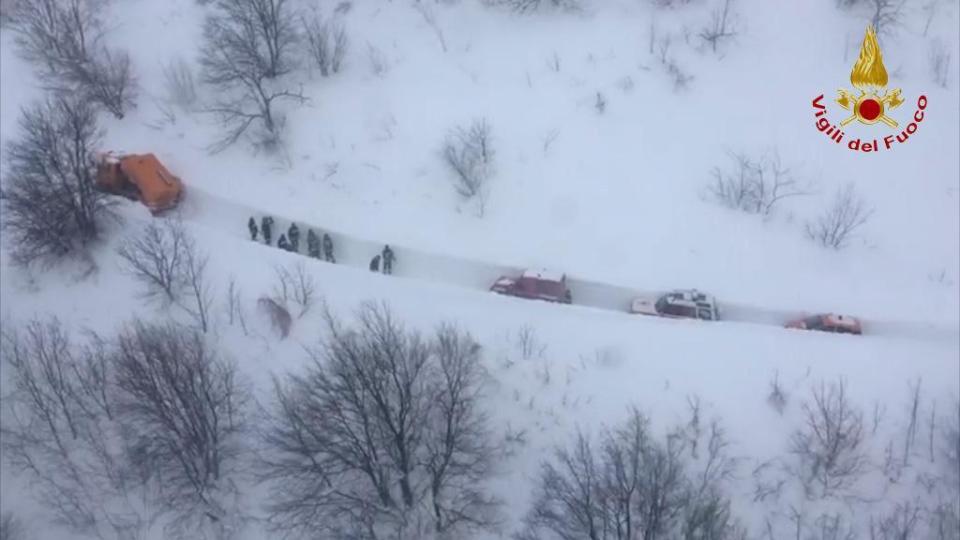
(601, 170)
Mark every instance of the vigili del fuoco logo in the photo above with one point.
(871, 103)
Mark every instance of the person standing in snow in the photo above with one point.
(388, 259)
(313, 244)
(328, 248)
(282, 242)
(375, 264)
(252, 225)
(266, 225)
(294, 235)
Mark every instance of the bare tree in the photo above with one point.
(247, 48)
(835, 227)
(59, 431)
(185, 408)
(755, 186)
(327, 43)
(64, 39)
(940, 63)
(777, 398)
(900, 524)
(832, 527)
(297, 285)
(156, 258)
(830, 445)
(11, 528)
(886, 15)
(722, 26)
(383, 430)
(51, 207)
(235, 311)
(197, 284)
(180, 84)
(469, 155)
(630, 487)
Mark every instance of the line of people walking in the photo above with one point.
(317, 246)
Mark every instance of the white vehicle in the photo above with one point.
(678, 304)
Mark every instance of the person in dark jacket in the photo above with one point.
(328, 248)
(293, 234)
(252, 225)
(266, 225)
(282, 243)
(375, 264)
(313, 244)
(388, 259)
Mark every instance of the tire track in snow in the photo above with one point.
(231, 217)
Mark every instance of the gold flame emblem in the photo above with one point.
(870, 78)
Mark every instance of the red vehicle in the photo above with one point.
(535, 284)
(828, 322)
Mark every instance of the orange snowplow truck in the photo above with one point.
(139, 177)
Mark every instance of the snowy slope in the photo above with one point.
(615, 200)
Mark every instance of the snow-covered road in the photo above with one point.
(204, 209)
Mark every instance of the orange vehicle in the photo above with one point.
(828, 322)
(139, 177)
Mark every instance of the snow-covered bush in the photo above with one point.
(247, 48)
(51, 208)
(469, 155)
(394, 422)
(63, 39)
(837, 225)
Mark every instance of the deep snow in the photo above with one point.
(614, 200)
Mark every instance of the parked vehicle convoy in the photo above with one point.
(139, 177)
(828, 322)
(678, 304)
(535, 284)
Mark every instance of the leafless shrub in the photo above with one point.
(777, 398)
(837, 225)
(468, 153)
(156, 259)
(180, 85)
(950, 450)
(59, 431)
(63, 39)
(944, 521)
(184, 405)
(383, 431)
(681, 79)
(429, 16)
(327, 43)
(886, 15)
(910, 436)
(378, 61)
(296, 285)
(528, 343)
(11, 528)
(830, 445)
(832, 527)
(600, 104)
(279, 317)
(235, 311)
(722, 26)
(940, 63)
(51, 208)
(247, 48)
(669, 3)
(755, 186)
(900, 524)
(199, 289)
(631, 486)
(531, 6)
